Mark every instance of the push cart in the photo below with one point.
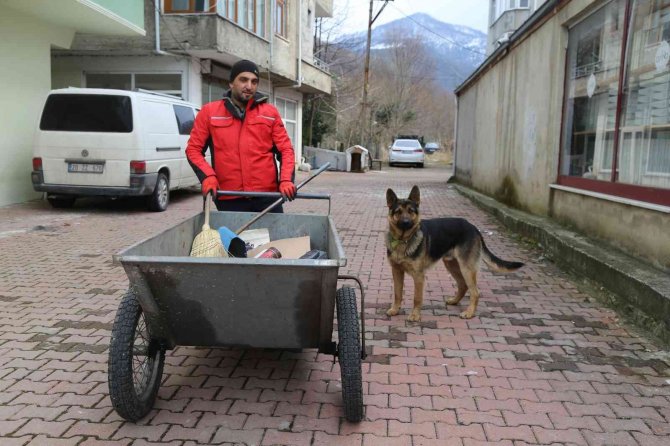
(177, 300)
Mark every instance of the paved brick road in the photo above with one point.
(540, 364)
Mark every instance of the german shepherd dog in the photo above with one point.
(413, 246)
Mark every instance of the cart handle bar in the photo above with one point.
(307, 196)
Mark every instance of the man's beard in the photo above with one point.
(239, 97)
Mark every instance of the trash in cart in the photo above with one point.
(290, 248)
(270, 253)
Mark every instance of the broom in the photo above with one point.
(208, 242)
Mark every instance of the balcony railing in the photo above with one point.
(321, 64)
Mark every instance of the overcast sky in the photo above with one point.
(472, 13)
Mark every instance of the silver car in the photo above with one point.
(406, 151)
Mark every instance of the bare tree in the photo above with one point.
(404, 96)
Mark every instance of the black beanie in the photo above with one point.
(241, 67)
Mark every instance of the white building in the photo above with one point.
(29, 31)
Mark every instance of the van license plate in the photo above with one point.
(85, 168)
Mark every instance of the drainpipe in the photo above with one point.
(455, 138)
(299, 80)
(157, 27)
(271, 15)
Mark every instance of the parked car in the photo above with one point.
(406, 151)
(101, 142)
(431, 147)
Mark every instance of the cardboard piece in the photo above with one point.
(290, 248)
(253, 238)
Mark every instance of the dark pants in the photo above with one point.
(248, 205)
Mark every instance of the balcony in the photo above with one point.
(206, 30)
(120, 18)
(323, 8)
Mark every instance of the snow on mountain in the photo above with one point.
(457, 50)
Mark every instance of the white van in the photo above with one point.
(112, 143)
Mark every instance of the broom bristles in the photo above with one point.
(208, 242)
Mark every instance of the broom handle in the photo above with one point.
(280, 200)
(208, 199)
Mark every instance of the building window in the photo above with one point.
(616, 138)
(249, 14)
(189, 6)
(500, 6)
(289, 112)
(213, 89)
(167, 83)
(280, 18)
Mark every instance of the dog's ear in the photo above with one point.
(414, 195)
(391, 198)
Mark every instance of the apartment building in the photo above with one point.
(190, 46)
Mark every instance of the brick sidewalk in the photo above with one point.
(540, 364)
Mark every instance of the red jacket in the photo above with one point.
(243, 151)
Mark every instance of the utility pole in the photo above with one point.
(366, 76)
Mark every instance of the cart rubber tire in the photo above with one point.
(132, 399)
(349, 354)
(160, 198)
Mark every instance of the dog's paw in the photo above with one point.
(452, 301)
(467, 314)
(414, 317)
(392, 311)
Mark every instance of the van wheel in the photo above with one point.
(159, 199)
(61, 202)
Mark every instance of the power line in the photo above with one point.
(438, 35)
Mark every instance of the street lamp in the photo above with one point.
(366, 72)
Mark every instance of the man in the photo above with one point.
(244, 133)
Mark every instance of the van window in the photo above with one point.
(185, 118)
(87, 113)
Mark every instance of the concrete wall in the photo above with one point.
(68, 71)
(640, 232)
(508, 143)
(509, 120)
(25, 46)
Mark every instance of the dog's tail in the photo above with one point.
(496, 263)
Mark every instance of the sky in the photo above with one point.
(472, 13)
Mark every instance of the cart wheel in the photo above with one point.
(349, 354)
(135, 362)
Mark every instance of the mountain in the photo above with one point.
(457, 50)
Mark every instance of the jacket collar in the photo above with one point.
(254, 102)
